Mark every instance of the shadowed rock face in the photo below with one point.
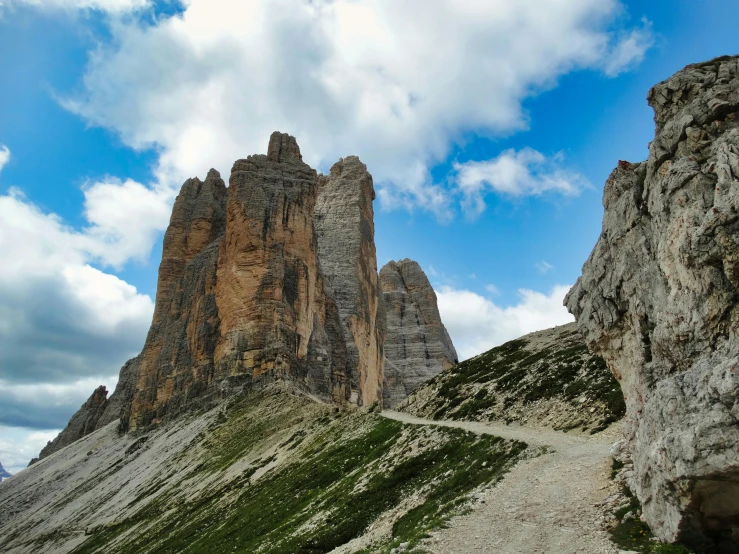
(83, 422)
(345, 229)
(417, 345)
(659, 300)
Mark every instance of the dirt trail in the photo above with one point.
(546, 504)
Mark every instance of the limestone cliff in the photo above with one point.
(345, 229)
(277, 318)
(417, 345)
(659, 300)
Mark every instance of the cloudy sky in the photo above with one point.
(488, 125)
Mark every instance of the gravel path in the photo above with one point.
(547, 504)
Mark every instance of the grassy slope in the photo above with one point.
(530, 377)
(315, 481)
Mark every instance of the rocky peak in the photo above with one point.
(417, 345)
(659, 300)
(82, 423)
(283, 148)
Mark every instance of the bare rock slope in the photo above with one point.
(659, 300)
(544, 379)
(417, 346)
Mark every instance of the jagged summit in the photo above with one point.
(273, 278)
(283, 148)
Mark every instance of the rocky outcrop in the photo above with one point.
(417, 345)
(659, 300)
(83, 422)
(345, 230)
(544, 379)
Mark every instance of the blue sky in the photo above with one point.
(489, 128)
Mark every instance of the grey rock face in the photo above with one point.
(659, 300)
(417, 345)
(82, 423)
(3, 473)
(345, 230)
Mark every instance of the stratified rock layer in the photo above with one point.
(82, 423)
(659, 300)
(345, 229)
(417, 345)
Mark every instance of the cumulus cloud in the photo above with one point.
(4, 156)
(110, 6)
(63, 322)
(476, 324)
(514, 173)
(18, 446)
(394, 82)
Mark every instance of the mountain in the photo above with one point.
(544, 379)
(273, 278)
(659, 300)
(417, 345)
(4, 474)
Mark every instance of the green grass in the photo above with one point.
(511, 373)
(342, 475)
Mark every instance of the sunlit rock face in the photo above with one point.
(659, 300)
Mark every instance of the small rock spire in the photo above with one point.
(283, 148)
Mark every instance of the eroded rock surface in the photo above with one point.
(659, 300)
(345, 229)
(417, 345)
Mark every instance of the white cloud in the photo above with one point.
(543, 267)
(110, 6)
(4, 156)
(630, 50)
(476, 324)
(512, 173)
(19, 445)
(394, 82)
(492, 289)
(61, 320)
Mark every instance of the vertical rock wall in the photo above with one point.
(345, 229)
(276, 315)
(417, 345)
(659, 300)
